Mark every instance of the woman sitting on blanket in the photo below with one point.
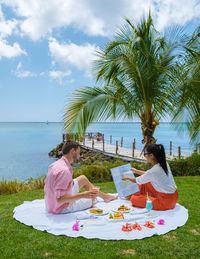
(158, 181)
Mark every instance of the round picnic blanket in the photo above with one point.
(85, 224)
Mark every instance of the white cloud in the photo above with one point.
(19, 66)
(59, 75)
(1, 13)
(179, 12)
(73, 55)
(42, 16)
(10, 51)
(99, 18)
(7, 27)
(25, 73)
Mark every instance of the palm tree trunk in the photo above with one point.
(148, 128)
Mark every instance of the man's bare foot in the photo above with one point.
(108, 197)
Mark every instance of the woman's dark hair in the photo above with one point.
(68, 145)
(159, 153)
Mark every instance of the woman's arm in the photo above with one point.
(138, 172)
(131, 179)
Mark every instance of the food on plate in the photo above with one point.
(123, 208)
(117, 215)
(96, 211)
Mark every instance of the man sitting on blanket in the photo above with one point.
(62, 192)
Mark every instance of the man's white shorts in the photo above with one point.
(78, 205)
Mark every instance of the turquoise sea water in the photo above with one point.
(25, 146)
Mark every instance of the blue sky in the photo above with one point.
(47, 46)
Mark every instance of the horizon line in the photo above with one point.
(46, 122)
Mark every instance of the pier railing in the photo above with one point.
(97, 141)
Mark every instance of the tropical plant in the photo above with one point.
(188, 98)
(135, 73)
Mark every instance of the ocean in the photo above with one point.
(25, 146)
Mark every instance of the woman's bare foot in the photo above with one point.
(128, 197)
(108, 197)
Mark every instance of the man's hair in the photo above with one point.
(68, 145)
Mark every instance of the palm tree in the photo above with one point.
(135, 73)
(188, 98)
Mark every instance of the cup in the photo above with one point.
(96, 189)
(149, 207)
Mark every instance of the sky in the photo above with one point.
(47, 47)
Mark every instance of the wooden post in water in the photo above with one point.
(116, 147)
(63, 137)
(110, 139)
(133, 150)
(92, 142)
(170, 148)
(103, 142)
(121, 141)
(179, 152)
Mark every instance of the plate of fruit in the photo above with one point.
(97, 211)
(123, 209)
(116, 216)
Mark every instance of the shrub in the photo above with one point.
(186, 167)
(8, 187)
(95, 173)
(101, 173)
(14, 186)
(34, 184)
(139, 166)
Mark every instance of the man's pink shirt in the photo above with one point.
(58, 183)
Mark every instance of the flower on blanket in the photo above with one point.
(129, 227)
(136, 226)
(161, 222)
(149, 224)
(75, 227)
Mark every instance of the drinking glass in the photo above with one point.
(149, 207)
(96, 190)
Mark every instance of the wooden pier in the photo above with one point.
(116, 150)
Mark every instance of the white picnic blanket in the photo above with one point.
(33, 213)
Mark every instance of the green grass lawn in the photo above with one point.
(20, 241)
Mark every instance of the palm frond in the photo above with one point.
(138, 72)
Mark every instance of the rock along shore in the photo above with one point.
(87, 156)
